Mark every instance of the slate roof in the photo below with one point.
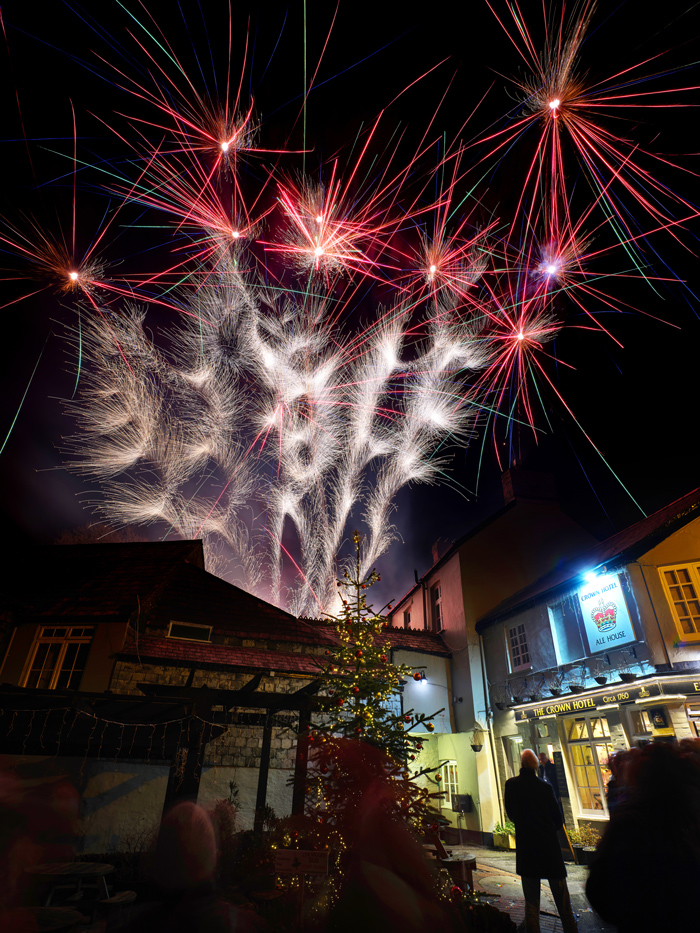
(159, 582)
(105, 580)
(408, 639)
(626, 545)
(217, 657)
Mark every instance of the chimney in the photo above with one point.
(439, 548)
(520, 484)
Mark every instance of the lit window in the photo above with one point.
(519, 651)
(59, 657)
(436, 602)
(589, 746)
(450, 783)
(682, 585)
(190, 631)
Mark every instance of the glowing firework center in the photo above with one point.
(605, 615)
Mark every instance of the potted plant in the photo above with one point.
(535, 688)
(519, 690)
(576, 844)
(590, 837)
(599, 669)
(624, 668)
(477, 737)
(576, 679)
(501, 695)
(504, 835)
(554, 681)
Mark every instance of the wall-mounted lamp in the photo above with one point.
(419, 677)
(456, 699)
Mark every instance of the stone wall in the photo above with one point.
(241, 745)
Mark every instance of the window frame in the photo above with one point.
(694, 572)
(192, 625)
(523, 665)
(407, 617)
(450, 782)
(64, 641)
(589, 741)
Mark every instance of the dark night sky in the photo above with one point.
(635, 402)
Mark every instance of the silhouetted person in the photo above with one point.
(184, 872)
(532, 806)
(548, 772)
(616, 789)
(645, 874)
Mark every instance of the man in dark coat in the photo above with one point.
(532, 806)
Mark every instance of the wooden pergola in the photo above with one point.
(171, 723)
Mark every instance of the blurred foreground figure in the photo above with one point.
(646, 871)
(387, 883)
(37, 824)
(184, 872)
(532, 806)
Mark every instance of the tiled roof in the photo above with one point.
(409, 639)
(626, 545)
(154, 582)
(106, 580)
(193, 595)
(221, 657)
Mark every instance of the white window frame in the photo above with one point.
(63, 636)
(436, 612)
(449, 782)
(693, 570)
(589, 741)
(191, 625)
(520, 630)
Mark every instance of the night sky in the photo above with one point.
(635, 401)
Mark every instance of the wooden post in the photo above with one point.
(301, 762)
(261, 798)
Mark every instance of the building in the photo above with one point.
(141, 677)
(600, 654)
(527, 538)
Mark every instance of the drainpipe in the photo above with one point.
(422, 586)
(490, 732)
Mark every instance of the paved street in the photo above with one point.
(495, 876)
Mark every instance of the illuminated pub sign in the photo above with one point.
(605, 617)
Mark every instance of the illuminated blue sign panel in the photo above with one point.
(605, 616)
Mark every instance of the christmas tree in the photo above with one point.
(363, 705)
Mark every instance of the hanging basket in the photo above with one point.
(477, 748)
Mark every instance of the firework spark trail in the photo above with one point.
(263, 416)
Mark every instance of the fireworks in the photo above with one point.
(333, 336)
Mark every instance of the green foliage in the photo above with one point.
(234, 795)
(267, 817)
(504, 829)
(585, 835)
(362, 704)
